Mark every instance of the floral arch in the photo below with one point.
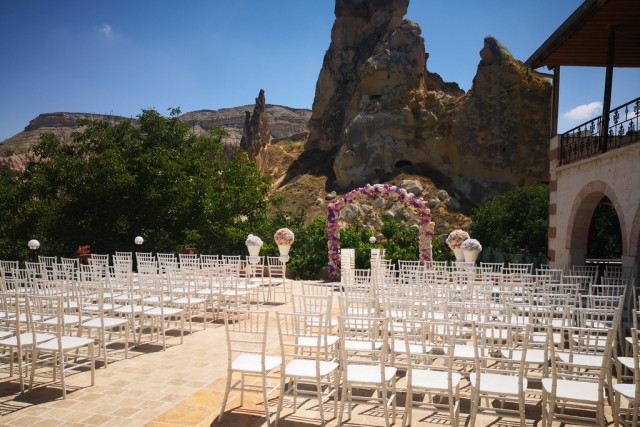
(378, 190)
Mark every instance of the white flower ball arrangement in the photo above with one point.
(253, 240)
(471, 245)
(456, 238)
(284, 236)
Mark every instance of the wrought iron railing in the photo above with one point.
(587, 139)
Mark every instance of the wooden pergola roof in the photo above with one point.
(583, 39)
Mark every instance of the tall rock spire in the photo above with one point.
(256, 133)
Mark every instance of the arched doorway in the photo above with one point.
(378, 190)
(595, 207)
(605, 235)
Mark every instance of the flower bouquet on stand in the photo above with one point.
(284, 239)
(254, 243)
(455, 240)
(471, 248)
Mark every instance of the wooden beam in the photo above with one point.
(555, 100)
(606, 104)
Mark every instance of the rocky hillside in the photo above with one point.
(283, 121)
(381, 112)
(306, 179)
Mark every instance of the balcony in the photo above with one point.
(588, 140)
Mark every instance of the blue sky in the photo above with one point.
(122, 56)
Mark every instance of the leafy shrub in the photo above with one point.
(514, 222)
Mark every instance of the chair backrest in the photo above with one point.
(124, 255)
(360, 305)
(7, 267)
(99, 259)
(276, 267)
(301, 338)
(495, 267)
(604, 301)
(228, 259)
(255, 267)
(601, 317)
(317, 289)
(429, 345)
(584, 355)
(520, 268)
(403, 307)
(621, 272)
(47, 261)
(190, 261)
(364, 340)
(144, 256)
(74, 262)
(164, 259)
(246, 332)
(585, 270)
(35, 268)
(208, 258)
(312, 304)
(495, 342)
(362, 276)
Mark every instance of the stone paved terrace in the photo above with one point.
(184, 386)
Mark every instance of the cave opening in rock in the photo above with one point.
(403, 163)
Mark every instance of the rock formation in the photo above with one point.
(255, 133)
(382, 111)
(283, 122)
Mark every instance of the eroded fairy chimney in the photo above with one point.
(256, 133)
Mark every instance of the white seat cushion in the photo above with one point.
(252, 363)
(306, 368)
(627, 390)
(499, 384)
(368, 374)
(433, 380)
(573, 390)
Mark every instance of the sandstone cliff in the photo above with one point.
(383, 112)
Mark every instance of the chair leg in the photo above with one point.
(61, 362)
(474, 407)
(343, 397)
(408, 407)
(280, 399)
(226, 396)
(266, 399)
(321, 408)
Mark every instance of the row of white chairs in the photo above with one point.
(370, 349)
(115, 308)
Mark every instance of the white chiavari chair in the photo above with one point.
(303, 348)
(247, 336)
(575, 390)
(64, 352)
(498, 373)
(429, 347)
(366, 365)
(628, 392)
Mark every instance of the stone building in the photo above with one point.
(599, 161)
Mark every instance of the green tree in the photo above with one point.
(148, 177)
(514, 222)
(605, 236)
(309, 253)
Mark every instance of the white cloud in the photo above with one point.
(107, 31)
(584, 112)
